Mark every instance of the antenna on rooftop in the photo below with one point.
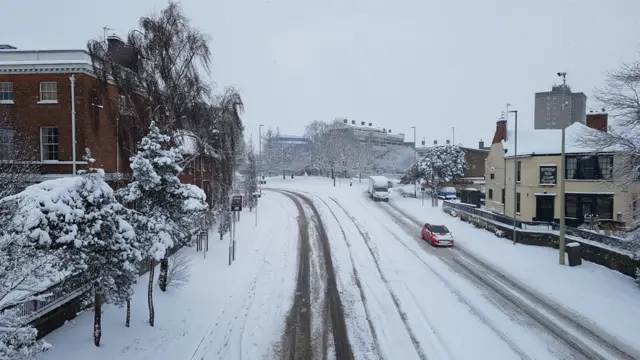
(106, 29)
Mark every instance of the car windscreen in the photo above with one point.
(380, 189)
(438, 229)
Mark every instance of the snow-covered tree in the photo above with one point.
(168, 210)
(441, 165)
(81, 217)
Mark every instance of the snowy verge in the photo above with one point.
(601, 295)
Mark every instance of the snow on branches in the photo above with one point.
(442, 164)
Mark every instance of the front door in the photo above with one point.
(545, 208)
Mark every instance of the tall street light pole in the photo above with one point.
(415, 184)
(515, 175)
(453, 139)
(561, 239)
(260, 155)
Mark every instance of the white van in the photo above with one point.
(378, 188)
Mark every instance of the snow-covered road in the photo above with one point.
(329, 274)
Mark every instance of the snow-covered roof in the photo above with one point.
(549, 141)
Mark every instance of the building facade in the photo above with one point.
(379, 138)
(589, 186)
(49, 105)
(550, 113)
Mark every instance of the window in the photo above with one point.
(490, 194)
(589, 167)
(49, 92)
(6, 144)
(605, 162)
(605, 207)
(519, 165)
(492, 176)
(571, 206)
(6, 92)
(571, 167)
(50, 143)
(517, 202)
(438, 229)
(502, 196)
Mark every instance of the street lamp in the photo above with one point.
(561, 239)
(260, 154)
(515, 172)
(415, 184)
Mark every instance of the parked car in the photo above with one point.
(437, 235)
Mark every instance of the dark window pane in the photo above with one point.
(605, 207)
(571, 206)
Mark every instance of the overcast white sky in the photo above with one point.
(425, 63)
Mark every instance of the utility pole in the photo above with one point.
(415, 183)
(561, 238)
(260, 156)
(515, 176)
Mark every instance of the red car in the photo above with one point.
(437, 235)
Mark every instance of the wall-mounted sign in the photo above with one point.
(548, 175)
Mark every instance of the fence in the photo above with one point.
(628, 245)
(62, 292)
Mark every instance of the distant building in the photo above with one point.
(378, 138)
(549, 112)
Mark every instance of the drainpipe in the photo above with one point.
(73, 122)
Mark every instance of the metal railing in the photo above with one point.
(61, 293)
(614, 242)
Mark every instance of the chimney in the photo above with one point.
(121, 53)
(481, 144)
(353, 122)
(435, 142)
(448, 142)
(346, 121)
(370, 124)
(598, 121)
(384, 130)
(389, 131)
(362, 123)
(501, 131)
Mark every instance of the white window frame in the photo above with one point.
(48, 101)
(42, 144)
(6, 87)
(7, 138)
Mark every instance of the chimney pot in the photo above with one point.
(362, 123)
(345, 121)
(389, 131)
(448, 142)
(435, 142)
(481, 144)
(370, 124)
(353, 122)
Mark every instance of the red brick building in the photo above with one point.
(45, 94)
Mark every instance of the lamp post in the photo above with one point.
(561, 237)
(415, 184)
(515, 174)
(453, 138)
(260, 155)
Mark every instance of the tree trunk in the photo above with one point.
(152, 314)
(284, 177)
(164, 270)
(127, 321)
(97, 319)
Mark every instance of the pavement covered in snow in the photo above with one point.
(329, 273)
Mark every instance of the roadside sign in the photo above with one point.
(236, 202)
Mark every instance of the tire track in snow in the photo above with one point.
(358, 283)
(341, 343)
(514, 294)
(394, 297)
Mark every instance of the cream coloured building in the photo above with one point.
(589, 188)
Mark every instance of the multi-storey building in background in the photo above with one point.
(550, 113)
(49, 104)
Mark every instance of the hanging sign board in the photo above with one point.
(548, 175)
(236, 202)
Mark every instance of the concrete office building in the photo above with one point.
(549, 112)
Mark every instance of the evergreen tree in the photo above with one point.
(167, 210)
